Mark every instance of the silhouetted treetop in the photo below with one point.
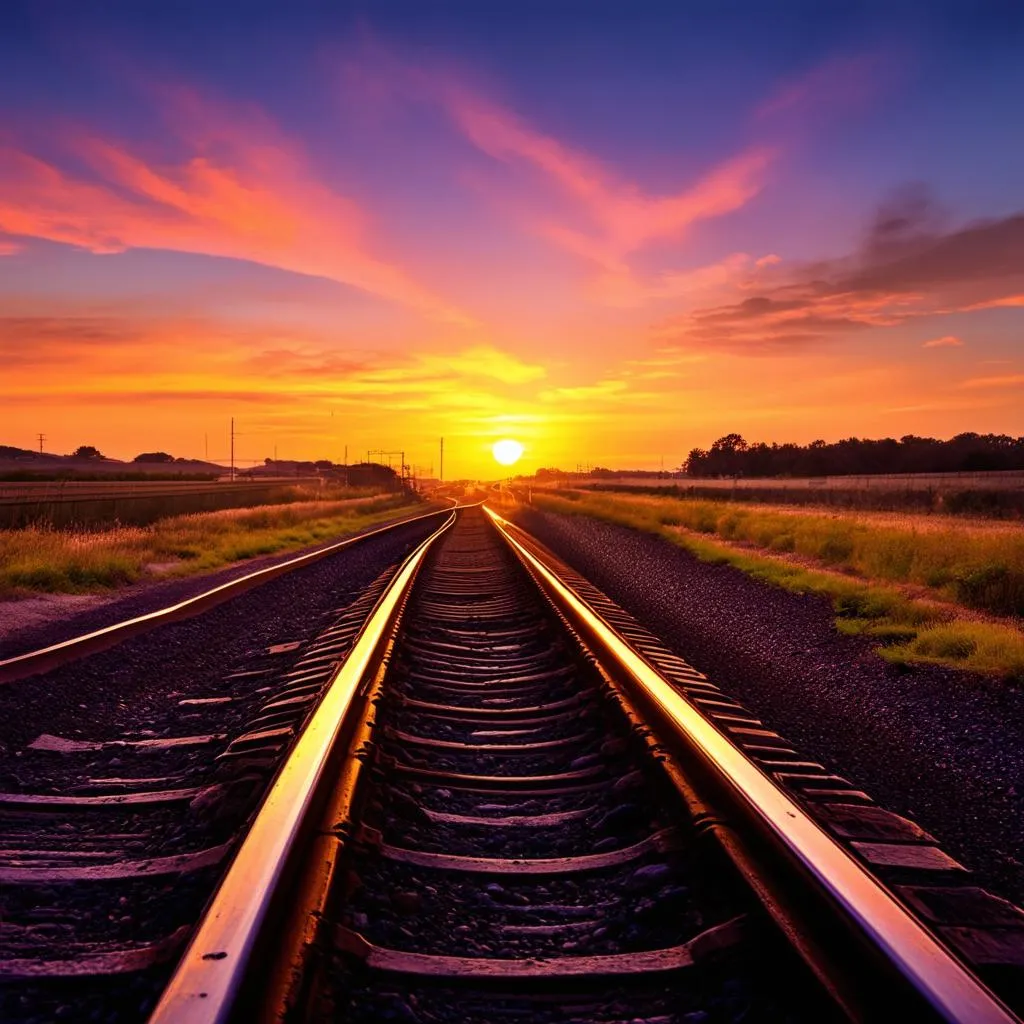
(87, 451)
(731, 455)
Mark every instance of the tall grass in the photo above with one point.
(38, 559)
(976, 565)
(863, 566)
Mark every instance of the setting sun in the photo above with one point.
(507, 451)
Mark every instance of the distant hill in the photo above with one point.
(24, 463)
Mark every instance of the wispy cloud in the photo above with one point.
(623, 216)
(736, 272)
(946, 341)
(1009, 380)
(600, 215)
(236, 187)
(842, 81)
(604, 390)
(106, 354)
(1002, 302)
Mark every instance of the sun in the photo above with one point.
(507, 451)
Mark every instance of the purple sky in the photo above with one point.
(610, 231)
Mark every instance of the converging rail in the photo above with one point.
(512, 804)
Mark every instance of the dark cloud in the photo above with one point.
(905, 217)
(108, 330)
(909, 266)
(982, 252)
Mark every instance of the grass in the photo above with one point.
(923, 591)
(43, 560)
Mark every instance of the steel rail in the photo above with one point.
(205, 983)
(929, 967)
(47, 658)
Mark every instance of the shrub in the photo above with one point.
(992, 587)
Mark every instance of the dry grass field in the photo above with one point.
(98, 504)
(950, 592)
(998, 494)
(41, 560)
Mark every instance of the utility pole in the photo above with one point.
(440, 474)
(42, 438)
(232, 448)
(346, 465)
(206, 447)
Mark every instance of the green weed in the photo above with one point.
(971, 566)
(41, 560)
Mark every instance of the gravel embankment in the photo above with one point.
(61, 621)
(944, 748)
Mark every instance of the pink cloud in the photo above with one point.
(839, 82)
(735, 272)
(946, 341)
(240, 189)
(567, 196)
(624, 218)
(1010, 380)
(1005, 301)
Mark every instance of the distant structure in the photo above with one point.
(357, 474)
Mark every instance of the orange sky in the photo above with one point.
(397, 246)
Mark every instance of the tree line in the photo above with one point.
(972, 453)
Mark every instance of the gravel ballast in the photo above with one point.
(945, 748)
(198, 714)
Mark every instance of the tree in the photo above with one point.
(87, 451)
(696, 463)
(732, 456)
(726, 455)
(153, 457)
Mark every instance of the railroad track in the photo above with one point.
(509, 802)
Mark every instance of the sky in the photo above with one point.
(610, 231)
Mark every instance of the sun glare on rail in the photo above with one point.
(507, 451)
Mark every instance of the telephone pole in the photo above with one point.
(232, 448)
(42, 438)
(440, 472)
